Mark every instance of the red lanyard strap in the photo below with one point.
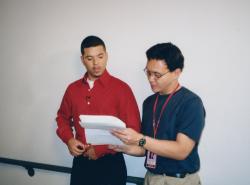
(156, 123)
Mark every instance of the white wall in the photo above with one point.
(39, 55)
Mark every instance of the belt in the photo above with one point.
(176, 175)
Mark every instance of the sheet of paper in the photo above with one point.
(98, 127)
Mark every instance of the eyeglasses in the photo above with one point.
(156, 75)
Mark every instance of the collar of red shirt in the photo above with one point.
(103, 79)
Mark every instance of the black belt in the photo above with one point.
(176, 175)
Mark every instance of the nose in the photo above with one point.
(95, 61)
(151, 78)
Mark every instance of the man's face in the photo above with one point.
(95, 61)
(159, 76)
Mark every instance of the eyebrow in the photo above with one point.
(153, 71)
(100, 54)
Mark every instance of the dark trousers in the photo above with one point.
(107, 170)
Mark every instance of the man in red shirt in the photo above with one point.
(97, 93)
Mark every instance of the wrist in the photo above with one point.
(139, 136)
(142, 141)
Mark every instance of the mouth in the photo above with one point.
(96, 69)
(153, 86)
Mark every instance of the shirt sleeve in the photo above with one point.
(128, 113)
(192, 119)
(143, 123)
(63, 119)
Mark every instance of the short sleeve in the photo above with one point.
(191, 119)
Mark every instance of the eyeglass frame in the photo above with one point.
(156, 75)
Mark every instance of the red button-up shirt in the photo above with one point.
(109, 96)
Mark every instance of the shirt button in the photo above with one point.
(88, 89)
(88, 102)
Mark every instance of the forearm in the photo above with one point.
(167, 148)
(164, 148)
(178, 149)
(128, 149)
(64, 130)
(64, 120)
(135, 151)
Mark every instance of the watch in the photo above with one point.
(142, 141)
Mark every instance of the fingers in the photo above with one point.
(113, 147)
(90, 153)
(123, 135)
(87, 147)
(118, 133)
(76, 147)
(116, 148)
(76, 150)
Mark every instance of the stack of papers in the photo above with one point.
(98, 127)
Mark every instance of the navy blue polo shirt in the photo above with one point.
(185, 114)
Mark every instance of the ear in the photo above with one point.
(107, 56)
(82, 59)
(177, 72)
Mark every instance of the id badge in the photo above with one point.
(151, 160)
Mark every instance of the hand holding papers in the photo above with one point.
(98, 127)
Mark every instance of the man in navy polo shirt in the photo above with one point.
(172, 123)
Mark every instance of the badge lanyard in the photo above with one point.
(152, 157)
(156, 123)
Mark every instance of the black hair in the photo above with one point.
(91, 41)
(168, 52)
